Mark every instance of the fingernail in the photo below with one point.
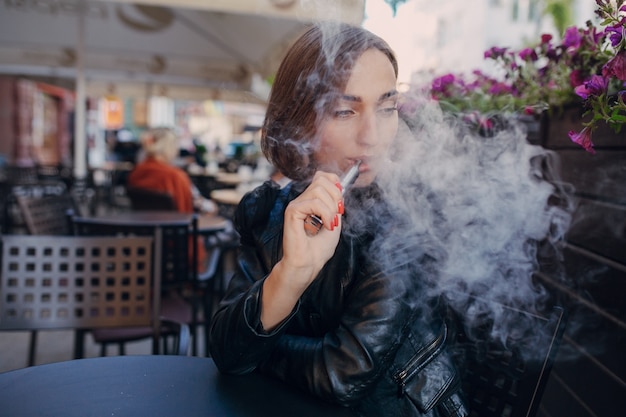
(340, 207)
(338, 185)
(336, 221)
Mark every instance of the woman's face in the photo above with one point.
(363, 122)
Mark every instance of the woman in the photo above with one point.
(316, 311)
(156, 172)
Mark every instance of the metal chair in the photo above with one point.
(499, 379)
(72, 282)
(177, 270)
(13, 221)
(46, 215)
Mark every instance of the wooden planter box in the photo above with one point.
(594, 348)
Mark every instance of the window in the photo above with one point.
(515, 11)
(533, 10)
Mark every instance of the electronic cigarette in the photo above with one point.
(313, 224)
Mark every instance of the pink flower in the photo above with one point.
(596, 86)
(528, 54)
(498, 88)
(572, 38)
(616, 67)
(576, 78)
(443, 83)
(495, 52)
(583, 139)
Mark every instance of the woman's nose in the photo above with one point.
(368, 132)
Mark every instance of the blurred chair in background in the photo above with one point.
(146, 199)
(178, 262)
(72, 282)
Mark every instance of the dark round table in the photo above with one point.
(152, 386)
(207, 223)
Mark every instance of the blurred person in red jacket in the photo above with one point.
(157, 172)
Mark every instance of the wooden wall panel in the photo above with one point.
(601, 228)
(589, 377)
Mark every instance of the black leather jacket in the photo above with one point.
(355, 337)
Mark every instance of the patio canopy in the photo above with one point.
(209, 48)
(194, 49)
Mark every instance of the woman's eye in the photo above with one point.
(343, 113)
(389, 110)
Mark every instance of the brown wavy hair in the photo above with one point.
(310, 79)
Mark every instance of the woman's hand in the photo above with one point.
(303, 255)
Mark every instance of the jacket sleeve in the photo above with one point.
(238, 342)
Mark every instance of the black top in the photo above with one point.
(150, 386)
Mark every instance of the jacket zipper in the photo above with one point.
(418, 361)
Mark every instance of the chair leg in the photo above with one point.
(194, 322)
(208, 314)
(103, 349)
(213, 291)
(79, 343)
(32, 348)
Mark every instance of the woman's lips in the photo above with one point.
(364, 167)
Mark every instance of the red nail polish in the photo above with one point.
(340, 207)
(338, 185)
(336, 221)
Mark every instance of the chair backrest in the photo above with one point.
(21, 175)
(145, 199)
(13, 219)
(54, 282)
(46, 215)
(500, 380)
(178, 261)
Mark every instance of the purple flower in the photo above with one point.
(528, 54)
(440, 84)
(572, 38)
(495, 52)
(583, 139)
(498, 88)
(546, 38)
(601, 3)
(596, 37)
(615, 34)
(616, 67)
(552, 54)
(576, 78)
(595, 86)
(530, 110)
(478, 120)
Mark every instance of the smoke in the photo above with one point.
(467, 214)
